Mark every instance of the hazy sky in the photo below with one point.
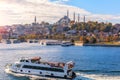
(24, 11)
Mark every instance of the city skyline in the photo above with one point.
(23, 11)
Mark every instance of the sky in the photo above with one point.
(24, 11)
(98, 6)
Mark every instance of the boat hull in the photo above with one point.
(17, 74)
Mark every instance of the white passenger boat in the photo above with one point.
(64, 44)
(34, 66)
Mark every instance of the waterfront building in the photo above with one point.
(4, 34)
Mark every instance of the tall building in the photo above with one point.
(35, 20)
(78, 17)
(68, 13)
(74, 17)
(84, 19)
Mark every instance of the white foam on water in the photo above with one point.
(80, 76)
(96, 77)
(14, 74)
(42, 78)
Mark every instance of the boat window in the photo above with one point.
(29, 71)
(33, 61)
(43, 68)
(52, 74)
(21, 70)
(27, 61)
(69, 71)
(18, 65)
(40, 72)
(21, 60)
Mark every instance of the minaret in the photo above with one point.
(78, 17)
(84, 19)
(74, 16)
(35, 20)
(10, 33)
(68, 13)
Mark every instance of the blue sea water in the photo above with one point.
(91, 63)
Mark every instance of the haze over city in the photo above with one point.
(23, 11)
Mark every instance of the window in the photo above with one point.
(69, 71)
(43, 68)
(28, 71)
(40, 72)
(21, 70)
(52, 74)
(27, 61)
(18, 65)
(21, 60)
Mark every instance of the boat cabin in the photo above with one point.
(37, 60)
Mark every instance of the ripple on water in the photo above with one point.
(92, 63)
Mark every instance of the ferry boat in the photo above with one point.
(64, 44)
(50, 42)
(35, 66)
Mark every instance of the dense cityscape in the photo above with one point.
(64, 29)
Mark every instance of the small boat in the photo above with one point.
(35, 66)
(50, 42)
(64, 44)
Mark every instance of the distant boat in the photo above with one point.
(10, 41)
(32, 41)
(34, 66)
(15, 41)
(64, 44)
(50, 42)
(6, 41)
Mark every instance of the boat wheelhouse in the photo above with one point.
(34, 66)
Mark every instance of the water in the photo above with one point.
(92, 63)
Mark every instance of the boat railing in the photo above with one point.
(52, 64)
(35, 59)
(24, 58)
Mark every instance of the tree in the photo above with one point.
(54, 28)
(93, 40)
(22, 38)
(72, 40)
(85, 39)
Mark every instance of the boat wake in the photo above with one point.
(33, 77)
(79, 77)
(85, 76)
(14, 74)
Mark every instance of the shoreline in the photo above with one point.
(83, 44)
(102, 45)
(97, 44)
